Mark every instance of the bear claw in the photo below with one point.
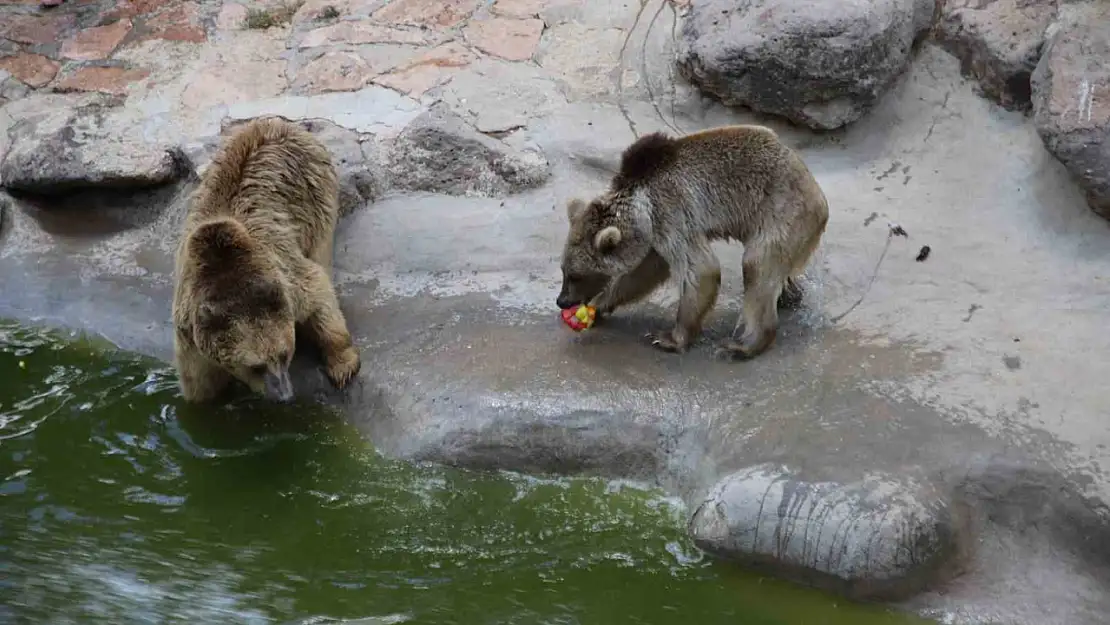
(664, 341)
(343, 369)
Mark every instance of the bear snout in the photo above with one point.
(564, 301)
(279, 387)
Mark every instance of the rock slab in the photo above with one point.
(84, 146)
(1071, 97)
(998, 43)
(819, 64)
(439, 152)
(881, 537)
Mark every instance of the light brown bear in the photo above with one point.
(669, 200)
(254, 260)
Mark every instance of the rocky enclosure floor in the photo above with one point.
(928, 431)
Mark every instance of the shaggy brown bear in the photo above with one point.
(670, 199)
(254, 260)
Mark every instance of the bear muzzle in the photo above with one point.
(279, 387)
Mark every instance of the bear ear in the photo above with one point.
(575, 208)
(607, 239)
(219, 243)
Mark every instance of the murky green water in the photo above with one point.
(119, 505)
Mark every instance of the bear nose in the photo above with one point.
(563, 302)
(279, 387)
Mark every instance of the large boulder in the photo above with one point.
(890, 536)
(79, 145)
(998, 43)
(1071, 101)
(820, 64)
(439, 152)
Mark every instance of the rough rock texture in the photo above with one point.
(998, 42)
(1071, 97)
(86, 146)
(820, 64)
(11, 88)
(439, 152)
(893, 536)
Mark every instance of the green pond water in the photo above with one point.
(120, 505)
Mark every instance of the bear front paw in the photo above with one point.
(343, 367)
(666, 341)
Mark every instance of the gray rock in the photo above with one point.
(439, 152)
(998, 42)
(883, 536)
(64, 149)
(820, 64)
(11, 88)
(360, 178)
(1071, 110)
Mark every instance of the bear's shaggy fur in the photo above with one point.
(254, 260)
(670, 199)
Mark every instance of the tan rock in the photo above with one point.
(93, 44)
(510, 39)
(32, 69)
(231, 16)
(428, 70)
(179, 22)
(518, 8)
(245, 68)
(360, 32)
(113, 80)
(430, 13)
(334, 71)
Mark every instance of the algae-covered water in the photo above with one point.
(120, 505)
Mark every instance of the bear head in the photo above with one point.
(243, 319)
(608, 237)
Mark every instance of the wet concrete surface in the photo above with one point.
(980, 370)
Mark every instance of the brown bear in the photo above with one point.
(673, 196)
(254, 261)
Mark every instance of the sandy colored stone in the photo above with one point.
(93, 44)
(180, 22)
(34, 29)
(518, 8)
(510, 39)
(430, 13)
(358, 33)
(248, 68)
(33, 69)
(429, 70)
(113, 80)
(583, 58)
(231, 16)
(334, 71)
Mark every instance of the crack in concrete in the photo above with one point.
(620, 69)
